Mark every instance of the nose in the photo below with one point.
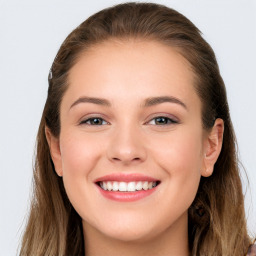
(127, 146)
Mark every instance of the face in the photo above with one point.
(131, 149)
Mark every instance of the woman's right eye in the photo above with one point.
(94, 121)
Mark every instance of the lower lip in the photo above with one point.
(126, 196)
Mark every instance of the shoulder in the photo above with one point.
(252, 250)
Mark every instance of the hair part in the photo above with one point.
(217, 224)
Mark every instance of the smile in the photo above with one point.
(126, 187)
(132, 186)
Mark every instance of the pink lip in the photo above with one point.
(125, 196)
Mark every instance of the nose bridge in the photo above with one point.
(126, 144)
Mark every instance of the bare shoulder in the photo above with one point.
(252, 250)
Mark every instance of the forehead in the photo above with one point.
(131, 69)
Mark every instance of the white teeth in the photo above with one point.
(131, 186)
(127, 186)
(139, 185)
(123, 186)
(109, 186)
(115, 186)
(145, 185)
(104, 185)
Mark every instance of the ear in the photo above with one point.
(54, 146)
(212, 147)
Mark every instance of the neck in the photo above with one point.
(172, 241)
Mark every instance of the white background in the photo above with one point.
(30, 35)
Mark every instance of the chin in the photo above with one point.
(130, 234)
(123, 228)
(132, 228)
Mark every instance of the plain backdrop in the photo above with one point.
(31, 33)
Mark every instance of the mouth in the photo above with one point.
(131, 186)
(126, 187)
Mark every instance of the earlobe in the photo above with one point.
(54, 147)
(212, 147)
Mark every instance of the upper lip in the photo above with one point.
(125, 177)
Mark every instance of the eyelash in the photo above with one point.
(167, 119)
(91, 119)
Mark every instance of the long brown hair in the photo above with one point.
(217, 224)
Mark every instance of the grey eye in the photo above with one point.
(94, 121)
(162, 120)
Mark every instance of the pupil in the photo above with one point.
(161, 120)
(96, 121)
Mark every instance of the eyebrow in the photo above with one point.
(158, 100)
(147, 103)
(98, 101)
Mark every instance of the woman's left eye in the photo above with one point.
(162, 120)
(94, 121)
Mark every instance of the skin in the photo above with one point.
(253, 251)
(129, 140)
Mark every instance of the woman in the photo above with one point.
(136, 150)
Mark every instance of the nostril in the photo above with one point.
(130, 160)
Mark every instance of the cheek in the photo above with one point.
(80, 156)
(79, 153)
(180, 156)
(179, 152)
